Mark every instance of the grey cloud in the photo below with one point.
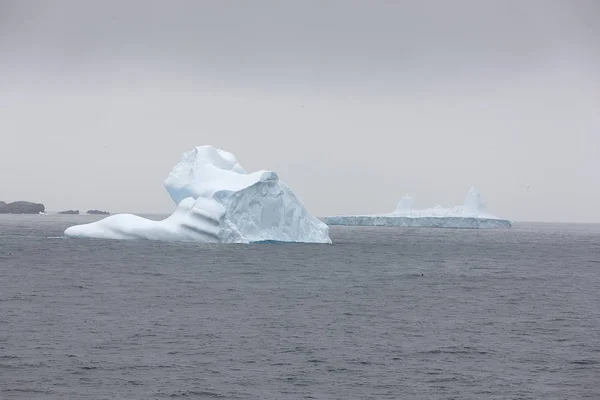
(313, 40)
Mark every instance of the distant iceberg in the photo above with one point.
(218, 202)
(472, 214)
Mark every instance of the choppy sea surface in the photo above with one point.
(383, 313)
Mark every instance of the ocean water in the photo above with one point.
(384, 313)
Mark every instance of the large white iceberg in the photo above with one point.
(218, 202)
(472, 214)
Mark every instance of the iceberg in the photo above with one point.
(218, 202)
(472, 214)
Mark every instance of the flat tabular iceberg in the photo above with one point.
(218, 202)
(472, 214)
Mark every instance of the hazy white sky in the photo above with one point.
(352, 103)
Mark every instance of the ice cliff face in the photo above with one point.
(218, 202)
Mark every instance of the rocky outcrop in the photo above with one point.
(21, 207)
(97, 212)
(72, 212)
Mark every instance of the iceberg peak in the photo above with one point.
(404, 205)
(474, 204)
(204, 171)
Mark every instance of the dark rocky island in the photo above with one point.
(21, 207)
(97, 212)
(72, 212)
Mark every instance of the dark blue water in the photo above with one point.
(381, 314)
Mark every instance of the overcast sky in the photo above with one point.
(353, 103)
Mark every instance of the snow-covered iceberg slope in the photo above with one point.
(472, 214)
(218, 202)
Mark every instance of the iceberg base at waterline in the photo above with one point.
(471, 215)
(218, 202)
